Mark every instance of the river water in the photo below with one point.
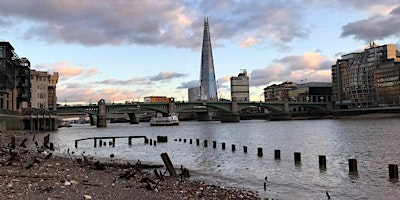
(375, 143)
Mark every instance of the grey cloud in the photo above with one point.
(189, 84)
(167, 23)
(132, 81)
(162, 76)
(265, 75)
(375, 27)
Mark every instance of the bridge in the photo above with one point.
(228, 110)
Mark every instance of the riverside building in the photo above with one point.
(367, 79)
(240, 87)
(14, 80)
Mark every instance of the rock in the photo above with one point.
(73, 182)
(67, 183)
(87, 196)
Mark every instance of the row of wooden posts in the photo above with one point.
(393, 168)
(102, 141)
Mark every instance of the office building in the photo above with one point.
(240, 87)
(207, 74)
(367, 79)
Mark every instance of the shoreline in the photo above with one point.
(35, 175)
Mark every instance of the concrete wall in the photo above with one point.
(10, 123)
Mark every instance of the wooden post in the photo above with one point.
(393, 171)
(113, 142)
(184, 140)
(100, 143)
(130, 140)
(151, 142)
(322, 162)
(197, 142)
(190, 141)
(297, 157)
(94, 142)
(223, 146)
(233, 147)
(180, 140)
(13, 142)
(277, 154)
(162, 139)
(353, 165)
(168, 164)
(260, 152)
(76, 144)
(155, 143)
(146, 140)
(245, 149)
(214, 144)
(205, 143)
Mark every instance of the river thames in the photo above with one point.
(373, 142)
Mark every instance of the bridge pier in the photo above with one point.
(93, 120)
(102, 114)
(229, 117)
(204, 116)
(133, 118)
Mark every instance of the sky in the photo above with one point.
(125, 50)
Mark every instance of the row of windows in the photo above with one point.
(41, 95)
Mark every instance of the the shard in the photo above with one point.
(208, 85)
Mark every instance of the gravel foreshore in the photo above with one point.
(27, 173)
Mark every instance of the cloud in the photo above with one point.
(86, 95)
(312, 66)
(176, 23)
(131, 81)
(376, 26)
(306, 61)
(67, 71)
(189, 84)
(163, 76)
(248, 42)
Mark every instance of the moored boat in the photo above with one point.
(159, 120)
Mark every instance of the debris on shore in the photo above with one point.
(39, 174)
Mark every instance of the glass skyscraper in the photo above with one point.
(208, 85)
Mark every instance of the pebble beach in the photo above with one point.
(36, 173)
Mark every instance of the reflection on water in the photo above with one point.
(373, 142)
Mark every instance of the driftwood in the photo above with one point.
(23, 143)
(168, 164)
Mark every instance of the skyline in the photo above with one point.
(154, 47)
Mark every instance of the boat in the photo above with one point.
(159, 120)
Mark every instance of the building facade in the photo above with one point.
(312, 92)
(52, 91)
(207, 74)
(194, 94)
(240, 87)
(156, 99)
(279, 92)
(14, 79)
(39, 89)
(367, 79)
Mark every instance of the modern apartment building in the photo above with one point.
(367, 79)
(14, 79)
(240, 87)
